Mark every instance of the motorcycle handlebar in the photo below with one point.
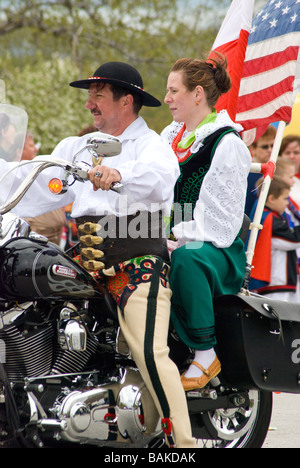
(44, 162)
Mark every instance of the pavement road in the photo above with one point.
(284, 429)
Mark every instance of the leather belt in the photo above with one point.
(108, 240)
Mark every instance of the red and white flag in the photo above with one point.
(232, 41)
(271, 72)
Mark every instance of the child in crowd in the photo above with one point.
(261, 151)
(290, 149)
(275, 262)
(285, 168)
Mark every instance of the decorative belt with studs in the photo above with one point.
(106, 241)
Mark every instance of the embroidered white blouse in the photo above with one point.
(219, 211)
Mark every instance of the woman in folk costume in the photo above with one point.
(210, 192)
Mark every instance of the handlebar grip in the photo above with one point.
(116, 187)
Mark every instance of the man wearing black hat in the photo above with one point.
(114, 89)
(133, 256)
(116, 96)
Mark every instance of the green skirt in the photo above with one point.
(199, 272)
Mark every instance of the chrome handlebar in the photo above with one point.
(42, 163)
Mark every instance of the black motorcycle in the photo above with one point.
(66, 382)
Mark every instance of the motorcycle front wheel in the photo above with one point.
(242, 427)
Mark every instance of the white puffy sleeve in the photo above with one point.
(149, 176)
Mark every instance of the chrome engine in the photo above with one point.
(59, 398)
(117, 413)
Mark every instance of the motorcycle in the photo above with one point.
(65, 381)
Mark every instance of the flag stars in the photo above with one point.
(286, 10)
(293, 18)
(265, 17)
(273, 23)
(278, 5)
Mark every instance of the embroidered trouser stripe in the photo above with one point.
(149, 335)
(144, 321)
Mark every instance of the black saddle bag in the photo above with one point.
(258, 343)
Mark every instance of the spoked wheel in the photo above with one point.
(242, 427)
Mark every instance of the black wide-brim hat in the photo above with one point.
(119, 74)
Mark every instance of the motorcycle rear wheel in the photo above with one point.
(243, 427)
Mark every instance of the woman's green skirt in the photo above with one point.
(199, 272)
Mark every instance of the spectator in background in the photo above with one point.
(290, 149)
(261, 151)
(285, 168)
(49, 224)
(275, 262)
(30, 149)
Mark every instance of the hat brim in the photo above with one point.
(148, 99)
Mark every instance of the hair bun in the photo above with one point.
(222, 77)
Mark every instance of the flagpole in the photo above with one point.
(256, 226)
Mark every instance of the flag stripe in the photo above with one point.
(262, 97)
(257, 123)
(270, 61)
(270, 73)
(269, 111)
(269, 46)
(268, 79)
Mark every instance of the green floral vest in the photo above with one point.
(192, 173)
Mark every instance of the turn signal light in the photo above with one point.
(57, 186)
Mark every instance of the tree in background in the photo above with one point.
(44, 45)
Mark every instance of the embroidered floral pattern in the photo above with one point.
(130, 274)
(227, 197)
(191, 188)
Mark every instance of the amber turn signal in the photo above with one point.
(57, 186)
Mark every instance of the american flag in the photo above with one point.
(271, 72)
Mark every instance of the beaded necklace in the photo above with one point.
(183, 147)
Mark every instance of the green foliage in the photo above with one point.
(45, 45)
(55, 110)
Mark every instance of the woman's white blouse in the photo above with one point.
(219, 211)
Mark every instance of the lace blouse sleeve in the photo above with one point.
(219, 211)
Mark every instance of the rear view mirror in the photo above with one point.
(103, 145)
